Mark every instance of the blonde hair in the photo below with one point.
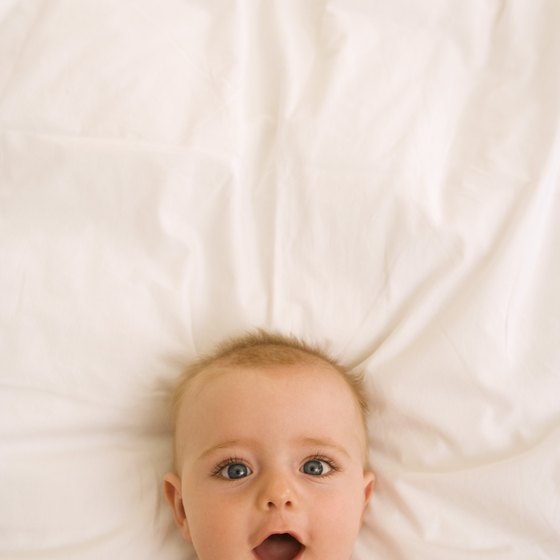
(266, 349)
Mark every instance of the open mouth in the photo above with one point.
(278, 547)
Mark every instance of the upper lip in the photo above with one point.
(283, 531)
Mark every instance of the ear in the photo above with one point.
(172, 491)
(369, 484)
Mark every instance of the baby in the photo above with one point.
(270, 453)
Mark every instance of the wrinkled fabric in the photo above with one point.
(381, 178)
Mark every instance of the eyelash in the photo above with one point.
(332, 465)
(334, 468)
(229, 461)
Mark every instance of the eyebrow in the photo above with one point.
(225, 445)
(322, 443)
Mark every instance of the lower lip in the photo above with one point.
(298, 556)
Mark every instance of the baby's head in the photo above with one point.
(270, 439)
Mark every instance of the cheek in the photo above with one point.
(335, 528)
(338, 512)
(203, 506)
(207, 508)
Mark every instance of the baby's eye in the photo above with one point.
(317, 467)
(233, 471)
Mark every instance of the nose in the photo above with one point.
(277, 492)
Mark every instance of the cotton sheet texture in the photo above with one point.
(381, 177)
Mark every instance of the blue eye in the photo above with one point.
(317, 467)
(234, 471)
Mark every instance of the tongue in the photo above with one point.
(278, 547)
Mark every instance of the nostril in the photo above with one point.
(276, 493)
(273, 504)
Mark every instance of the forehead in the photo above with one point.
(279, 401)
(312, 378)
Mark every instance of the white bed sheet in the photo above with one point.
(378, 176)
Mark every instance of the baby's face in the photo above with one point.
(270, 451)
